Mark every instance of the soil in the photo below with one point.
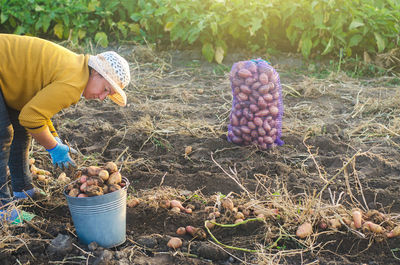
(177, 100)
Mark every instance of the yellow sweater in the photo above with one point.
(40, 78)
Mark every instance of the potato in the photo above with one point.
(247, 138)
(227, 204)
(234, 120)
(255, 85)
(266, 126)
(176, 203)
(249, 81)
(181, 231)
(111, 167)
(83, 179)
(239, 215)
(132, 202)
(93, 170)
(115, 178)
(261, 131)
(73, 192)
(105, 189)
(276, 95)
(245, 129)
(83, 186)
(93, 190)
(251, 66)
(274, 111)
(42, 178)
(251, 125)
(243, 121)
(304, 230)
(261, 103)
(244, 73)
(268, 140)
(82, 195)
(176, 209)
(237, 81)
(235, 91)
(263, 89)
(357, 218)
(273, 132)
(253, 108)
(174, 243)
(395, 232)
(242, 96)
(258, 121)
(31, 161)
(113, 187)
(263, 78)
(95, 181)
(268, 97)
(237, 131)
(236, 140)
(373, 227)
(104, 175)
(262, 113)
(210, 225)
(334, 223)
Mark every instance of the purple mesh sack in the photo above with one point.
(257, 107)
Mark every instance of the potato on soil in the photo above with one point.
(304, 230)
(357, 218)
(198, 233)
(181, 231)
(132, 202)
(63, 178)
(209, 224)
(395, 232)
(166, 204)
(174, 243)
(176, 203)
(176, 209)
(227, 204)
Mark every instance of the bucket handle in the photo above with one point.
(127, 183)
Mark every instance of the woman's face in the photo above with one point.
(97, 87)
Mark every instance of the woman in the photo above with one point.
(39, 78)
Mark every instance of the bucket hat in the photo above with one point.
(115, 70)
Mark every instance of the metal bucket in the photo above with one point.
(101, 219)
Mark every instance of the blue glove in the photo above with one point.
(72, 150)
(60, 156)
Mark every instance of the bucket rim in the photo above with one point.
(127, 183)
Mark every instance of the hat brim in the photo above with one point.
(119, 97)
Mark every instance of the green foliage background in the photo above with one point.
(312, 27)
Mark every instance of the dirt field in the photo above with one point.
(341, 152)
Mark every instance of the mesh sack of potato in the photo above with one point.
(257, 107)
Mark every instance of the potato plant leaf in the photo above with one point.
(208, 51)
(101, 38)
(380, 42)
(219, 54)
(355, 24)
(168, 26)
(59, 30)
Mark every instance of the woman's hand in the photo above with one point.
(60, 156)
